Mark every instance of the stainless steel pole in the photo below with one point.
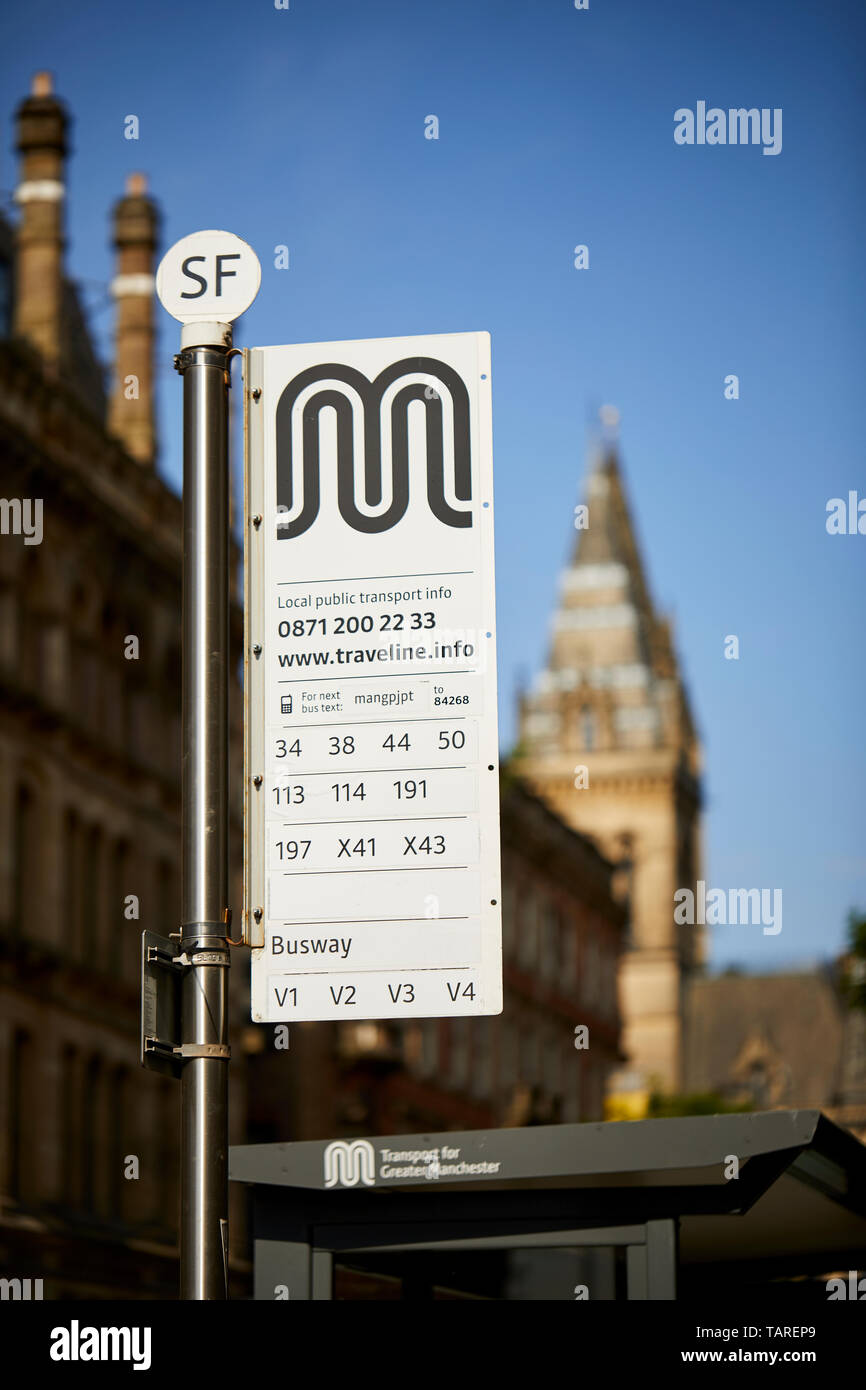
(204, 1079)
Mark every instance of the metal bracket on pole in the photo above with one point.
(163, 963)
(161, 970)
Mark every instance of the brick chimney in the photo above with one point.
(131, 416)
(42, 141)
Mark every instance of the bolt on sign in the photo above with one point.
(372, 881)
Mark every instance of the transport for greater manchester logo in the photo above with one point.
(350, 1162)
(381, 407)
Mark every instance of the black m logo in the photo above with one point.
(371, 394)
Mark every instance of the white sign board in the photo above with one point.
(208, 277)
(372, 762)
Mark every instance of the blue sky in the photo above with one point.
(306, 127)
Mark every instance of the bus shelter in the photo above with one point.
(612, 1210)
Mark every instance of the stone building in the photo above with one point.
(90, 609)
(607, 738)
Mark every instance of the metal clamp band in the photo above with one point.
(212, 356)
(209, 958)
(203, 1050)
(196, 937)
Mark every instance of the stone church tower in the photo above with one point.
(607, 738)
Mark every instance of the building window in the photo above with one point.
(429, 1064)
(587, 728)
(68, 1117)
(165, 1191)
(510, 901)
(528, 1052)
(550, 929)
(71, 880)
(552, 1078)
(9, 616)
(527, 926)
(568, 947)
(92, 900)
(589, 993)
(508, 1061)
(21, 1103)
(118, 927)
(30, 629)
(90, 1146)
(117, 1153)
(25, 856)
(168, 909)
(482, 1059)
(172, 688)
(459, 1053)
(410, 1045)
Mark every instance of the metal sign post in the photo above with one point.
(206, 280)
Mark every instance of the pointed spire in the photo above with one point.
(609, 420)
(606, 615)
(608, 538)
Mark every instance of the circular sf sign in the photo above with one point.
(208, 277)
